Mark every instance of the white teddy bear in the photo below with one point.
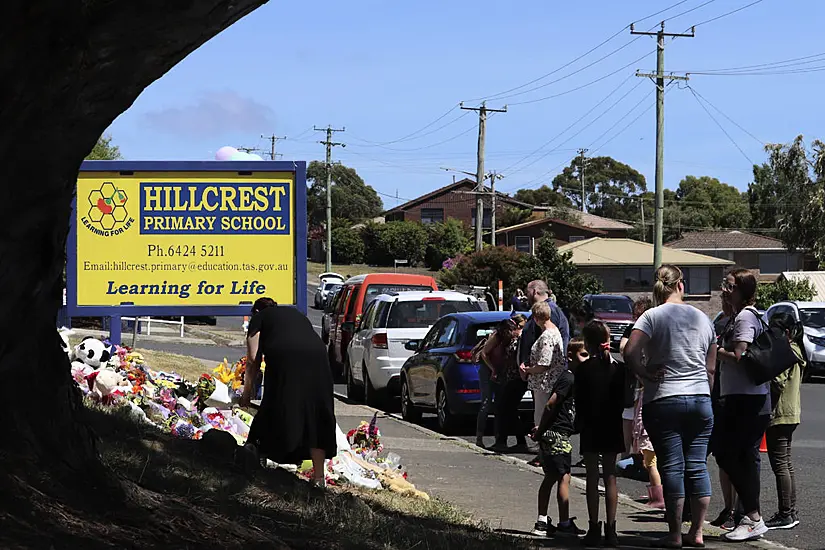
(89, 355)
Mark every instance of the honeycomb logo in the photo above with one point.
(107, 213)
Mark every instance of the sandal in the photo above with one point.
(687, 543)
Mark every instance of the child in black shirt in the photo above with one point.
(553, 436)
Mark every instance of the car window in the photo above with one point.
(429, 340)
(611, 304)
(332, 303)
(381, 311)
(779, 309)
(476, 333)
(377, 289)
(423, 313)
(812, 318)
(447, 334)
(352, 299)
(343, 296)
(369, 315)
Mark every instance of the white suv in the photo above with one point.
(377, 350)
(812, 317)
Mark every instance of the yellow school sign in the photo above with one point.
(186, 238)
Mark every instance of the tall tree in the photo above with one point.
(543, 196)
(104, 150)
(69, 68)
(612, 187)
(788, 192)
(352, 199)
(704, 203)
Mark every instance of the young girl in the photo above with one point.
(599, 397)
(786, 417)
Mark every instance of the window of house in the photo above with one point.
(638, 277)
(488, 218)
(576, 238)
(524, 244)
(772, 262)
(432, 215)
(697, 281)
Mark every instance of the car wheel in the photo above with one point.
(409, 412)
(446, 419)
(372, 397)
(354, 391)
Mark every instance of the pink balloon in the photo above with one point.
(225, 153)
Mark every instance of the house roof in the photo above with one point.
(460, 184)
(551, 221)
(599, 251)
(587, 219)
(817, 278)
(726, 240)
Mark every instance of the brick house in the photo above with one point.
(451, 201)
(625, 267)
(766, 255)
(523, 236)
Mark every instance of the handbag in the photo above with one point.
(769, 355)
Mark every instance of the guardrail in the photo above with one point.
(149, 321)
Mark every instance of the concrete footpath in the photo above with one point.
(501, 490)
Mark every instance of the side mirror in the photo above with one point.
(411, 345)
(349, 326)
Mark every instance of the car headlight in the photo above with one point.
(817, 340)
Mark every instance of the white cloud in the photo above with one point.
(215, 113)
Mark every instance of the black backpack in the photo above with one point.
(769, 355)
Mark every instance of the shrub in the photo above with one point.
(445, 240)
(782, 290)
(401, 241)
(483, 268)
(559, 272)
(347, 246)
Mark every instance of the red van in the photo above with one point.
(355, 296)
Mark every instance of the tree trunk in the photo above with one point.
(69, 68)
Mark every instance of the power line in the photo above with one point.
(728, 13)
(408, 136)
(773, 64)
(726, 116)
(719, 125)
(689, 11)
(382, 146)
(621, 119)
(580, 57)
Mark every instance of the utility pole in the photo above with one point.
(272, 139)
(581, 177)
(482, 130)
(660, 78)
(493, 177)
(329, 145)
(644, 227)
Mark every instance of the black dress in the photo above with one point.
(297, 411)
(599, 396)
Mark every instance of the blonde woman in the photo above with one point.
(547, 359)
(673, 349)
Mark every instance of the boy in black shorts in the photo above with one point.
(553, 436)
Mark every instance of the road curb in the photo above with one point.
(574, 481)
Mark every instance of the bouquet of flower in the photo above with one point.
(366, 438)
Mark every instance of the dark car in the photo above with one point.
(614, 310)
(441, 376)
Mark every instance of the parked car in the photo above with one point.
(329, 307)
(613, 310)
(441, 376)
(812, 316)
(378, 347)
(355, 295)
(326, 282)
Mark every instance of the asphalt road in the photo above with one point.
(809, 456)
(809, 447)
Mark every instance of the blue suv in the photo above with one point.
(442, 377)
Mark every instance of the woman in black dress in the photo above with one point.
(296, 420)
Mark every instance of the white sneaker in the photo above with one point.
(747, 530)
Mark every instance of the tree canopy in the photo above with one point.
(104, 150)
(702, 202)
(611, 187)
(543, 196)
(352, 199)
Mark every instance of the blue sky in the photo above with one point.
(385, 70)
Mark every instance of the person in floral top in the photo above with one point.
(547, 360)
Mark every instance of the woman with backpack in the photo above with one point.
(787, 412)
(746, 411)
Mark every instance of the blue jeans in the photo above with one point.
(487, 388)
(679, 428)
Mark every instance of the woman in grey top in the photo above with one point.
(746, 411)
(680, 346)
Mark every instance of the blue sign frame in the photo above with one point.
(298, 168)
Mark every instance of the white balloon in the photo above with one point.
(225, 153)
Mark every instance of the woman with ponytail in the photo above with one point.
(673, 348)
(598, 393)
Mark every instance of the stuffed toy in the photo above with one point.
(103, 383)
(89, 355)
(64, 334)
(397, 484)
